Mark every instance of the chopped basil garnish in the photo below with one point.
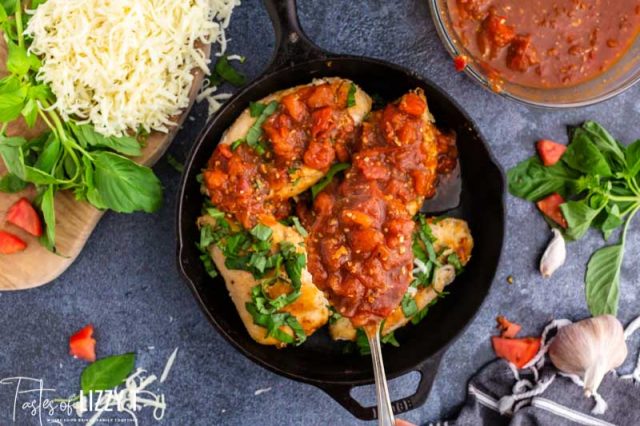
(235, 144)
(322, 184)
(454, 260)
(409, 306)
(362, 342)
(261, 232)
(255, 132)
(351, 96)
(298, 226)
(224, 70)
(424, 311)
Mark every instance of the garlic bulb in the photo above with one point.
(590, 349)
(554, 256)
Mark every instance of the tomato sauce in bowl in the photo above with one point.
(545, 43)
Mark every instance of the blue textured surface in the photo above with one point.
(126, 282)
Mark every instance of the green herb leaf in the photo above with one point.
(351, 96)
(298, 226)
(409, 306)
(11, 102)
(579, 215)
(612, 220)
(532, 180)
(584, 156)
(107, 373)
(606, 144)
(262, 232)
(603, 280)
(125, 145)
(632, 156)
(390, 339)
(325, 181)
(255, 132)
(235, 144)
(30, 112)
(47, 207)
(225, 70)
(124, 186)
(11, 184)
(173, 162)
(256, 108)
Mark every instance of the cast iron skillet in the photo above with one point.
(319, 361)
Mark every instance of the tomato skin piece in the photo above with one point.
(82, 345)
(11, 244)
(412, 104)
(460, 62)
(550, 152)
(24, 216)
(507, 328)
(517, 351)
(550, 207)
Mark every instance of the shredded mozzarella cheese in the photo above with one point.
(124, 65)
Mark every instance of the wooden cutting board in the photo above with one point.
(75, 220)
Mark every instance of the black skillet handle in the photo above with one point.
(292, 45)
(342, 393)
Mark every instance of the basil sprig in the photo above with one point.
(68, 156)
(599, 176)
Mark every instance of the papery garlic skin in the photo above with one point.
(554, 256)
(590, 349)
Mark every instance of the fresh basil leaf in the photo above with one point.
(107, 373)
(632, 156)
(294, 264)
(126, 145)
(3, 14)
(325, 181)
(50, 155)
(47, 207)
(225, 70)
(17, 59)
(532, 180)
(390, 339)
(30, 112)
(122, 185)
(38, 177)
(351, 96)
(603, 140)
(409, 306)
(584, 156)
(579, 216)
(10, 184)
(12, 104)
(254, 133)
(9, 6)
(261, 232)
(611, 220)
(298, 226)
(603, 280)
(256, 108)
(12, 155)
(454, 261)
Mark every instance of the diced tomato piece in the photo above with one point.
(24, 216)
(550, 152)
(517, 351)
(322, 96)
(521, 54)
(225, 150)
(412, 104)
(366, 240)
(214, 178)
(319, 155)
(550, 206)
(82, 345)
(294, 106)
(507, 328)
(460, 62)
(322, 121)
(323, 204)
(357, 217)
(11, 244)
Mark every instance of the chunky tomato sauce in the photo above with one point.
(311, 127)
(546, 43)
(359, 248)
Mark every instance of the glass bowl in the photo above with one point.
(621, 76)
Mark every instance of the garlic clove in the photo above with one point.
(590, 349)
(554, 256)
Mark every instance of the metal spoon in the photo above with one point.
(385, 413)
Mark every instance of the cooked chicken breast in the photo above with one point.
(452, 236)
(310, 309)
(305, 177)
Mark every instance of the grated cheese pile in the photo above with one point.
(125, 65)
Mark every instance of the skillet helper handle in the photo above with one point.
(342, 393)
(292, 45)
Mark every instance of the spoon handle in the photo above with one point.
(385, 413)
